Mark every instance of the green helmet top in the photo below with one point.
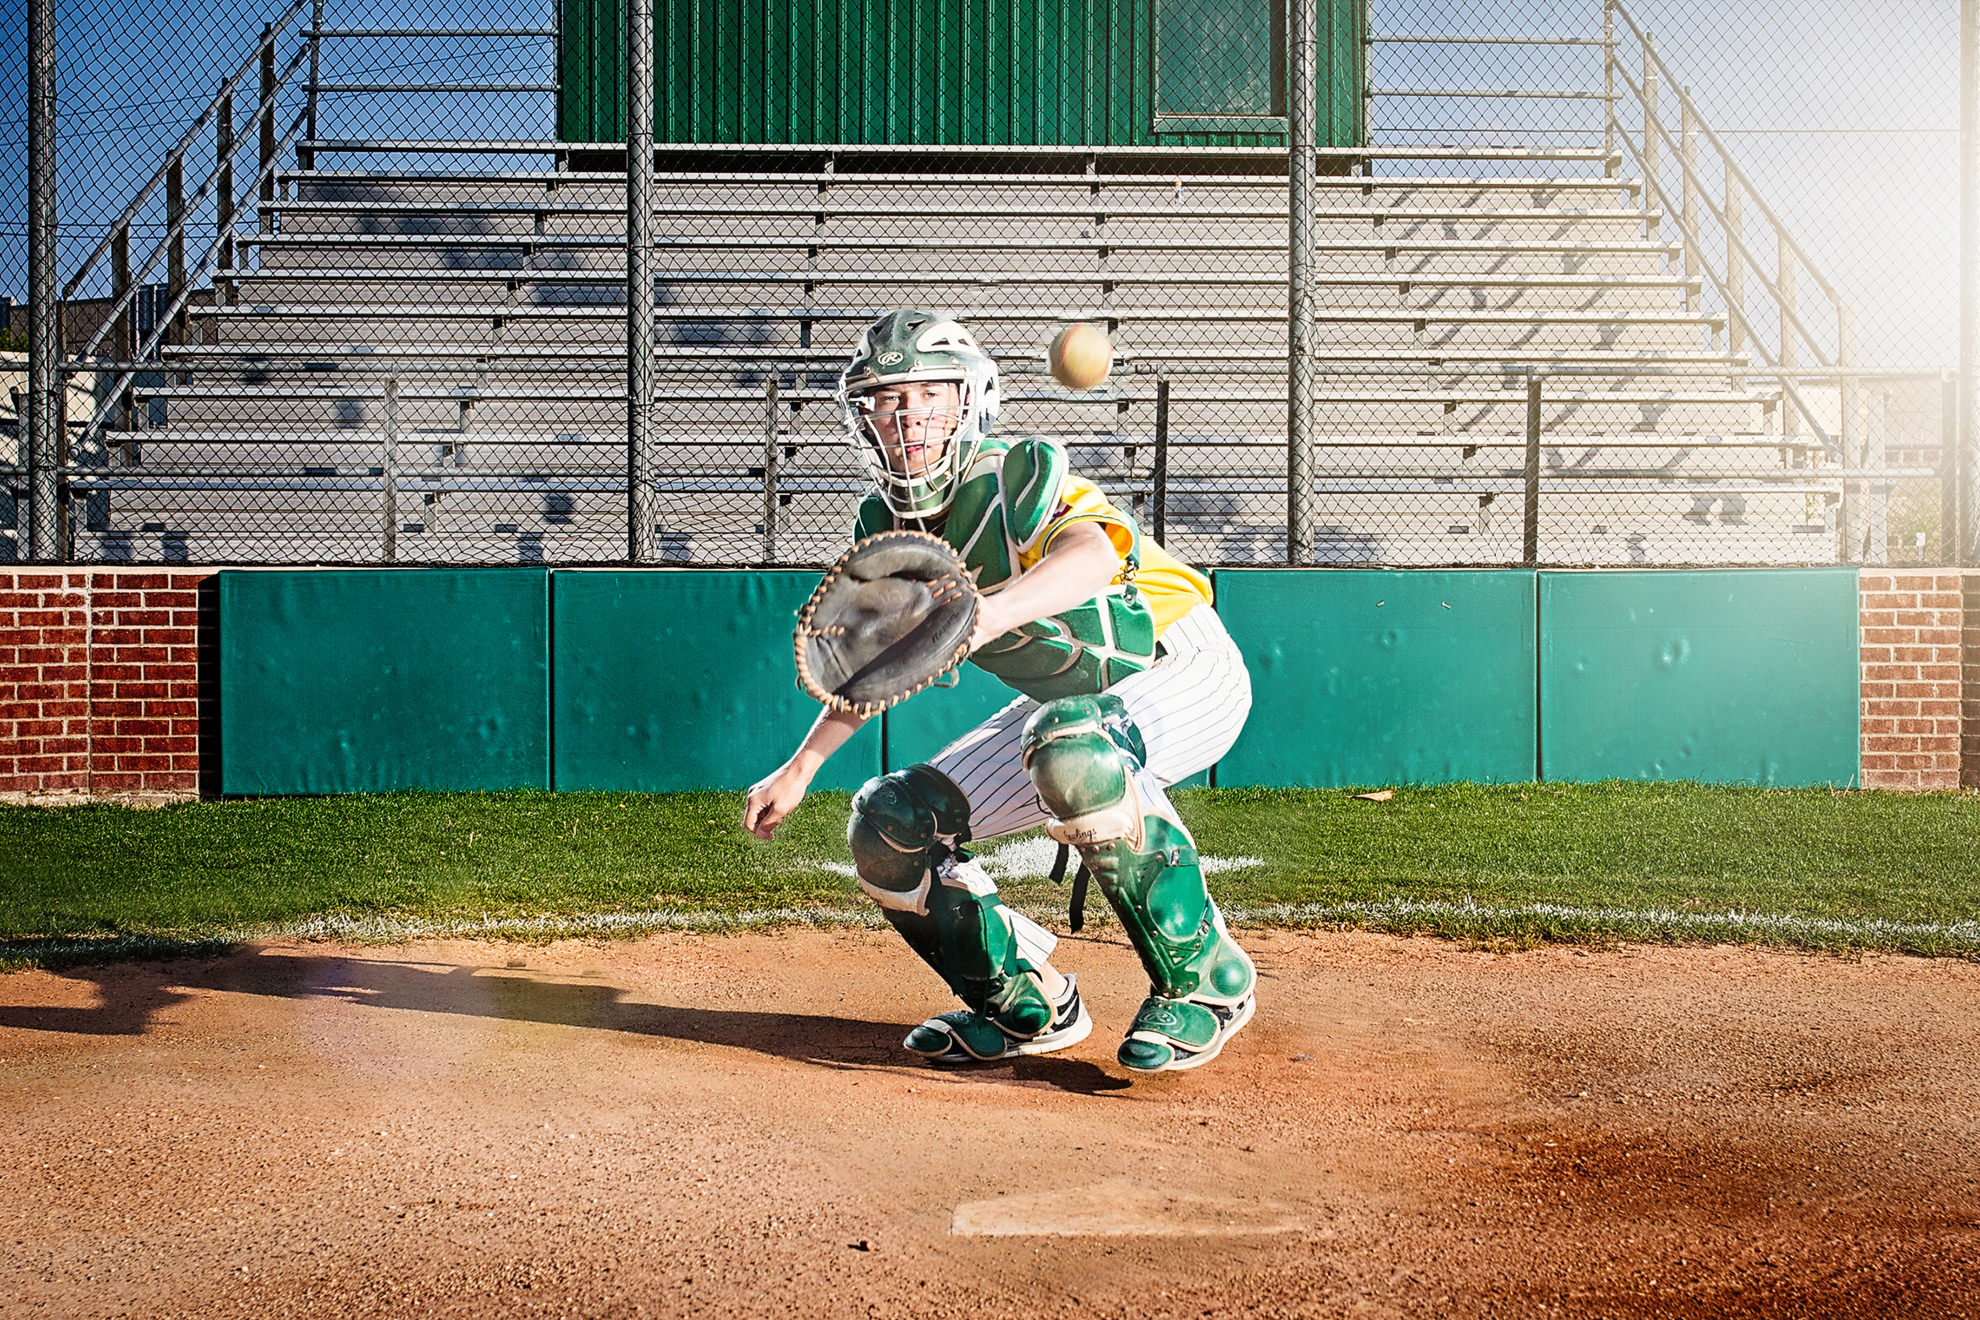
(900, 348)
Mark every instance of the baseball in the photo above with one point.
(1080, 356)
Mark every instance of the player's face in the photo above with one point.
(913, 422)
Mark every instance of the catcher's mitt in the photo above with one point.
(890, 618)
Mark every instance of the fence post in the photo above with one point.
(1969, 281)
(1650, 142)
(1160, 494)
(1735, 266)
(1530, 529)
(639, 281)
(266, 158)
(306, 156)
(1300, 169)
(389, 469)
(44, 402)
(770, 420)
(1949, 492)
(1688, 151)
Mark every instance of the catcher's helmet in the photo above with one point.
(903, 347)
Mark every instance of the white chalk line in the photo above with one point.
(1397, 915)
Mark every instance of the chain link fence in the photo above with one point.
(1584, 282)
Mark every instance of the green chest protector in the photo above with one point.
(1001, 511)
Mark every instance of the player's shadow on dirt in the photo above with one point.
(131, 999)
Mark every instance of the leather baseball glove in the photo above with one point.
(891, 617)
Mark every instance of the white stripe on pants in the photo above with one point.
(1190, 707)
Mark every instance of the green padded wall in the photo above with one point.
(365, 680)
(1740, 676)
(929, 721)
(1382, 677)
(670, 679)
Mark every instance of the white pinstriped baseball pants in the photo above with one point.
(1189, 706)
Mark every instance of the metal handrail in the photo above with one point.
(101, 422)
(177, 228)
(184, 144)
(1759, 346)
(1746, 184)
(1718, 212)
(321, 33)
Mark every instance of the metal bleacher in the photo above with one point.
(406, 362)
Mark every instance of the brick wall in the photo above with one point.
(1913, 628)
(44, 682)
(101, 682)
(1969, 676)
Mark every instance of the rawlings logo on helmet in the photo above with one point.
(892, 358)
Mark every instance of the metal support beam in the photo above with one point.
(388, 550)
(306, 156)
(1949, 493)
(770, 437)
(1530, 526)
(223, 195)
(1301, 169)
(1736, 321)
(266, 157)
(1651, 137)
(44, 403)
(1969, 280)
(1688, 150)
(1613, 162)
(640, 508)
(123, 344)
(175, 255)
(1160, 495)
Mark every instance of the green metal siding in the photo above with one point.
(1382, 677)
(372, 680)
(1737, 676)
(960, 72)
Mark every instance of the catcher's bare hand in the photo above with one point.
(773, 798)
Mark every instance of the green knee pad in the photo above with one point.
(1082, 754)
(906, 833)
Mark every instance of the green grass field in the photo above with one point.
(1520, 863)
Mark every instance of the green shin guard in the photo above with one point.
(905, 834)
(1082, 754)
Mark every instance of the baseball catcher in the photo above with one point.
(1126, 681)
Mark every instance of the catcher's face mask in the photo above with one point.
(912, 424)
(919, 396)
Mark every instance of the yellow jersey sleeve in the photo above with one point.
(1171, 587)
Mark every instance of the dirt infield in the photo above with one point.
(725, 1126)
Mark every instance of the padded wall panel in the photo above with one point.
(1382, 677)
(930, 720)
(673, 679)
(1738, 676)
(344, 681)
